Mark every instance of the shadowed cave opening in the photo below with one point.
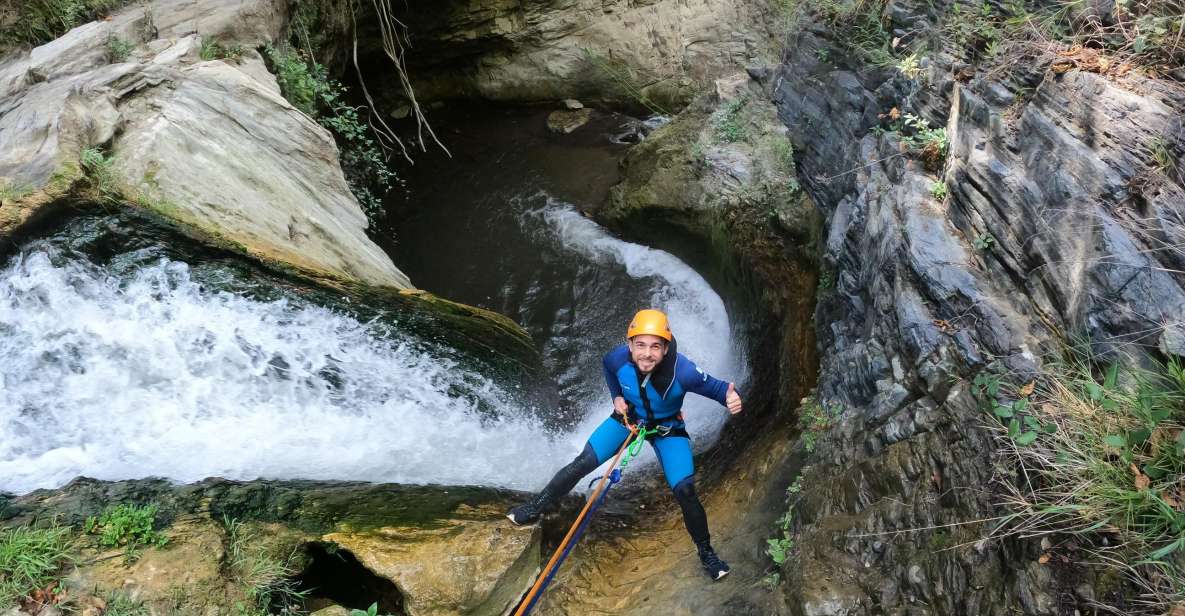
(336, 577)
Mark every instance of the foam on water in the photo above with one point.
(150, 374)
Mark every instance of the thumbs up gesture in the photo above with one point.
(732, 399)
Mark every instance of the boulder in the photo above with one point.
(424, 549)
(564, 121)
(210, 145)
(613, 50)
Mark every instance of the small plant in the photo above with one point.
(1111, 474)
(984, 243)
(781, 546)
(727, 122)
(306, 84)
(373, 610)
(99, 169)
(119, 604)
(826, 281)
(1165, 162)
(11, 191)
(930, 143)
(127, 525)
(270, 581)
(814, 419)
(938, 190)
(1024, 426)
(213, 50)
(30, 559)
(910, 66)
(823, 54)
(119, 49)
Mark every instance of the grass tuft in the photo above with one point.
(30, 559)
(1101, 457)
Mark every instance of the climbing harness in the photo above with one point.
(640, 436)
(629, 449)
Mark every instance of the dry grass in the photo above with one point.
(1109, 472)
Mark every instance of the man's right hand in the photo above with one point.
(621, 407)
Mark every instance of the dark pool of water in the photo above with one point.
(461, 228)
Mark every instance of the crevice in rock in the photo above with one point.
(334, 576)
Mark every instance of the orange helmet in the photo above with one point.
(652, 322)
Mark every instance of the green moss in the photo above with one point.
(41, 21)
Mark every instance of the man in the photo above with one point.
(647, 378)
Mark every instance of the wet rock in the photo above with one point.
(466, 567)
(1036, 240)
(571, 104)
(333, 610)
(564, 122)
(442, 550)
(613, 50)
(401, 112)
(210, 145)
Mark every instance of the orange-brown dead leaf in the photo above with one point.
(1178, 610)
(1027, 390)
(1044, 558)
(1142, 481)
(894, 114)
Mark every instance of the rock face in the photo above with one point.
(1059, 223)
(589, 49)
(209, 144)
(418, 550)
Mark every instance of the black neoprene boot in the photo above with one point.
(560, 485)
(714, 567)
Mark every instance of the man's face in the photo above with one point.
(646, 351)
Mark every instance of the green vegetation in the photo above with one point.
(307, 85)
(1163, 157)
(41, 21)
(984, 243)
(826, 280)
(131, 526)
(938, 190)
(99, 170)
(1104, 461)
(119, 604)
(928, 142)
(373, 610)
(780, 547)
(814, 420)
(728, 122)
(978, 32)
(213, 50)
(11, 190)
(30, 559)
(118, 49)
(270, 581)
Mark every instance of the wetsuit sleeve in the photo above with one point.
(695, 380)
(612, 362)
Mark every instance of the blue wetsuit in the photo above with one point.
(656, 399)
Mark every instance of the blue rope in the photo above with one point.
(614, 477)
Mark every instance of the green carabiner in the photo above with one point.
(636, 445)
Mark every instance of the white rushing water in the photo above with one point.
(150, 374)
(696, 312)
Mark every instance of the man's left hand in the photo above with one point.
(732, 400)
